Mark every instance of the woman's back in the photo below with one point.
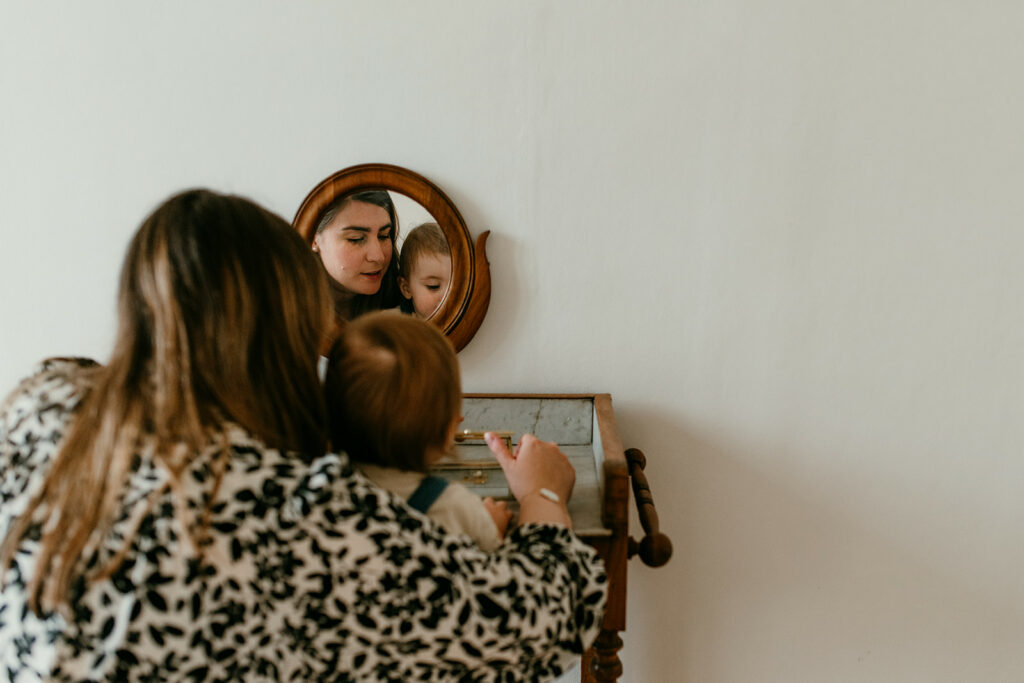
(302, 571)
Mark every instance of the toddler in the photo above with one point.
(394, 399)
(425, 268)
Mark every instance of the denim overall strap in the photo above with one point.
(427, 492)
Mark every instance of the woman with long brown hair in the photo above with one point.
(356, 240)
(172, 514)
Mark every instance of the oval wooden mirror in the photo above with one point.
(463, 307)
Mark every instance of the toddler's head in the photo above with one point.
(425, 266)
(393, 391)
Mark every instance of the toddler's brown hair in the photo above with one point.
(393, 390)
(426, 238)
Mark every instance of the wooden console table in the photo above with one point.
(583, 425)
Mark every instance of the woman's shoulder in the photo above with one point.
(54, 385)
(33, 420)
(56, 370)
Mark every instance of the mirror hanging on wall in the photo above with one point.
(389, 238)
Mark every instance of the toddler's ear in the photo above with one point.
(403, 287)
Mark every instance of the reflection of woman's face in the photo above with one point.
(356, 247)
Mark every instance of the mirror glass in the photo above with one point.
(389, 238)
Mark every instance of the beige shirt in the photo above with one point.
(457, 509)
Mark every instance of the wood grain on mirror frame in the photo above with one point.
(463, 308)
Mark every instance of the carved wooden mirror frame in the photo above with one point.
(463, 308)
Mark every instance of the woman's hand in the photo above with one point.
(500, 513)
(534, 472)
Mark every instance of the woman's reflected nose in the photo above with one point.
(375, 252)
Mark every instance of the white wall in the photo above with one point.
(784, 236)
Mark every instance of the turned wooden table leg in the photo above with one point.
(604, 664)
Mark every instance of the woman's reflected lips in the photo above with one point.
(375, 275)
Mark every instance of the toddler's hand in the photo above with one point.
(500, 513)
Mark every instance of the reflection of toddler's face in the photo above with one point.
(427, 283)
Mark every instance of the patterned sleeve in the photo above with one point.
(425, 605)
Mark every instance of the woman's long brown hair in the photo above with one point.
(221, 310)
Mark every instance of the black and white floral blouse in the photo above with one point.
(313, 573)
